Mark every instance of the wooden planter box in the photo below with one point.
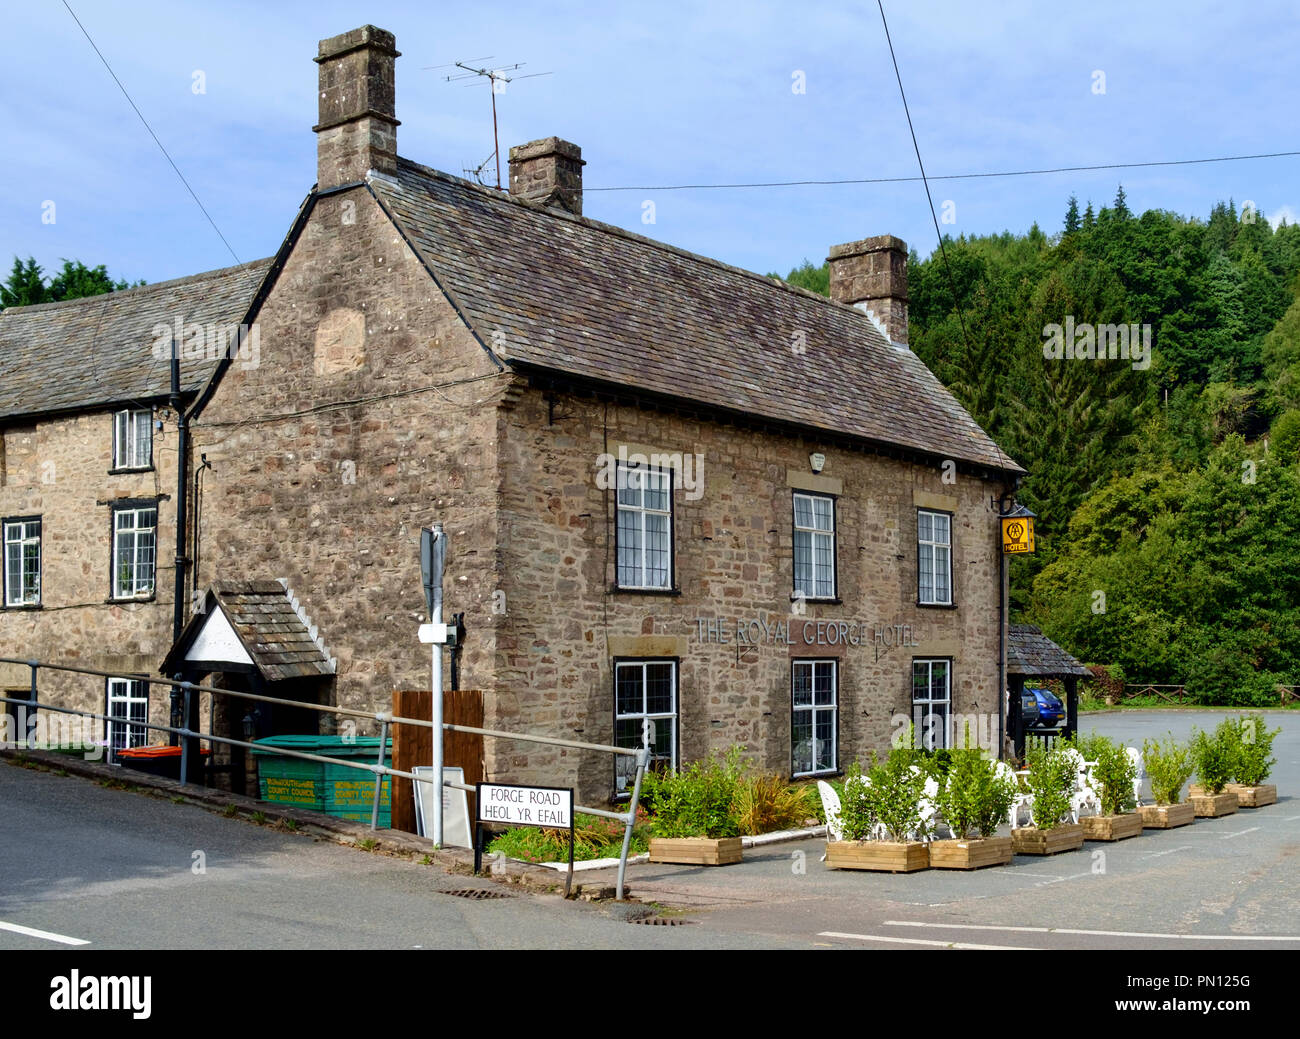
(975, 853)
(696, 851)
(1211, 806)
(1166, 817)
(1033, 841)
(1111, 827)
(882, 856)
(1253, 796)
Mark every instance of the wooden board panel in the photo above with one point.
(880, 856)
(1253, 796)
(413, 744)
(1211, 806)
(1032, 841)
(1166, 817)
(971, 854)
(696, 851)
(1111, 827)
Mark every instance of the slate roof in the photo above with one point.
(98, 351)
(1030, 652)
(271, 626)
(586, 299)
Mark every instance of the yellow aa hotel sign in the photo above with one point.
(1017, 534)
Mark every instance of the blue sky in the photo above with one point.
(655, 94)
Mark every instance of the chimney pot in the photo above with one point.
(872, 274)
(549, 172)
(357, 131)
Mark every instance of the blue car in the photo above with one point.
(1051, 712)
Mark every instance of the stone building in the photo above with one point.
(674, 490)
(88, 481)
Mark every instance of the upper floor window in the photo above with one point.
(934, 557)
(814, 546)
(645, 527)
(22, 562)
(133, 439)
(134, 545)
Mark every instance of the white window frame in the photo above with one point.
(634, 516)
(124, 729)
(818, 582)
(18, 532)
(814, 711)
(939, 554)
(139, 586)
(623, 767)
(133, 439)
(931, 737)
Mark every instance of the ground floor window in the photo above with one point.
(814, 724)
(644, 691)
(128, 710)
(931, 701)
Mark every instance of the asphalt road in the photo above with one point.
(121, 870)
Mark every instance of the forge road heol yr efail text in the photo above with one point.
(92, 992)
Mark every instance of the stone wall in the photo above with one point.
(346, 439)
(59, 470)
(733, 559)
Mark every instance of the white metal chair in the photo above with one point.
(1135, 756)
(831, 808)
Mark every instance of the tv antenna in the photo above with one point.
(494, 77)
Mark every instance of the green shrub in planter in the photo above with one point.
(888, 796)
(1254, 744)
(1169, 765)
(974, 797)
(696, 801)
(1113, 774)
(1051, 778)
(1215, 756)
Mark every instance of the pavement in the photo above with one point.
(160, 866)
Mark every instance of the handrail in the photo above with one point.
(385, 718)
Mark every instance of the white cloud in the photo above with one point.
(1285, 213)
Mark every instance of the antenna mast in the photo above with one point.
(493, 76)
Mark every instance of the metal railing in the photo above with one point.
(187, 733)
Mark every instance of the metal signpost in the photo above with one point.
(547, 807)
(433, 556)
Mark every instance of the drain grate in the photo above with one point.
(661, 921)
(477, 892)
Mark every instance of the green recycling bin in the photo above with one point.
(337, 790)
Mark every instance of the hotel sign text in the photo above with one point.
(757, 631)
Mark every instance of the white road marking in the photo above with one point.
(916, 941)
(1103, 934)
(1228, 836)
(1157, 854)
(1291, 818)
(49, 936)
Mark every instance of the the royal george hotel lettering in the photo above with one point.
(800, 632)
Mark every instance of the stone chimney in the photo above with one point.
(357, 131)
(872, 275)
(549, 172)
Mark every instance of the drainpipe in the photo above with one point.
(182, 468)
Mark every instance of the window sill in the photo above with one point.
(796, 777)
(151, 597)
(23, 607)
(127, 469)
(828, 600)
(619, 590)
(936, 605)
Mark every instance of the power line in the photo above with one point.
(152, 134)
(943, 249)
(948, 176)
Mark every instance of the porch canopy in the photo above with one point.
(1032, 655)
(257, 636)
